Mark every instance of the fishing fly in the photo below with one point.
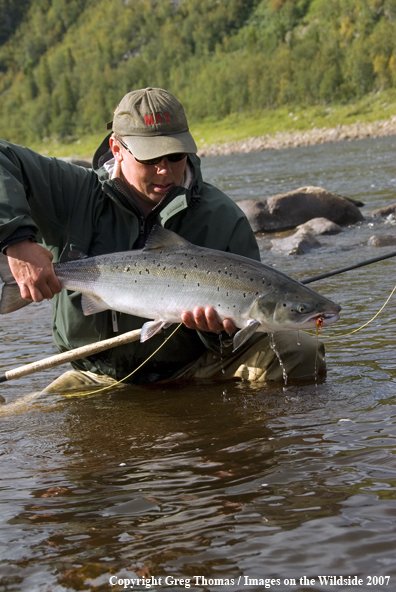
(319, 325)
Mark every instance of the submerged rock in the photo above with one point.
(299, 243)
(288, 210)
(386, 240)
(384, 211)
(318, 226)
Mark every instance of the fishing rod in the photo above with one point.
(69, 356)
(343, 269)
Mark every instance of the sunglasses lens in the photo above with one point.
(150, 161)
(171, 157)
(176, 157)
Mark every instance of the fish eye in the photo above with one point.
(301, 308)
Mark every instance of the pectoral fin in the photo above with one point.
(151, 328)
(244, 334)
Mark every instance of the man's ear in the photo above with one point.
(116, 149)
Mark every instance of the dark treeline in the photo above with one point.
(64, 64)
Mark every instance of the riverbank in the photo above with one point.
(269, 129)
(294, 139)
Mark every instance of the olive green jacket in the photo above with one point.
(70, 207)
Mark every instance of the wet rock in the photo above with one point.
(384, 211)
(288, 210)
(299, 243)
(385, 240)
(318, 226)
(78, 161)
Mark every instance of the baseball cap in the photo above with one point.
(152, 123)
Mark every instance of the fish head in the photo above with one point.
(294, 310)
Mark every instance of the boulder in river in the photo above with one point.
(299, 243)
(288, 210)
(384, 211)
(386, 240)
(318, 226)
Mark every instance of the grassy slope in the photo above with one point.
(375, 107)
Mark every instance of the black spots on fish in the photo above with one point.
(127, 268)
(185, 276)
(147, 270)
(198, 284)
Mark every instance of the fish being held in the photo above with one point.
(170, 275)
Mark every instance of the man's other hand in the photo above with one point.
(207, 320)
(31, 266)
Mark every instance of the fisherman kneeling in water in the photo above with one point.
(145, 173)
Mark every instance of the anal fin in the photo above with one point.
(92, 304)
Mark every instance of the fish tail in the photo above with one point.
(11, 298)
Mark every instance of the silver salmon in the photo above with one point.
(170, 275)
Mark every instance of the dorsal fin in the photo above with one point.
(75, 254)
(161, 237)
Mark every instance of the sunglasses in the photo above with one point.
(151, 161)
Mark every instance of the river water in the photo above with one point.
(241, 486)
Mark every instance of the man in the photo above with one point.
(146, 172)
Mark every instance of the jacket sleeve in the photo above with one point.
(39, 195)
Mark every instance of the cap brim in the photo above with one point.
(145, 148)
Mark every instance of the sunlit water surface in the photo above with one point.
(230, 482)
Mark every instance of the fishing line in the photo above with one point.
(368, 322)
(105, 388)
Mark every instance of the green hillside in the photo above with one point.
(64, 64)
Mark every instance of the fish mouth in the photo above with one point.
(325, 318)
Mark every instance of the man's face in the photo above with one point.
(148, 183)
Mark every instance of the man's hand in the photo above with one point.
(206, 320)
(31, 266)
